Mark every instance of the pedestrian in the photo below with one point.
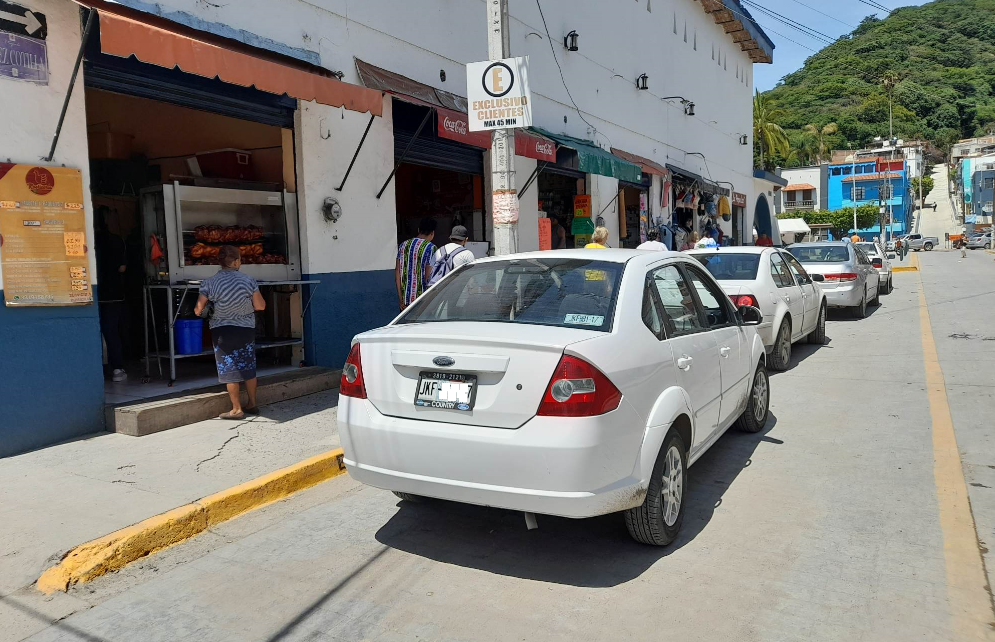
(236, 298)
(558, 234)
(652, 243)
(855, 238)
(898, 249)
(764, 241)
(690, 241)
(112, 264)
(599, 240)
(934, 206)
(413, 267)
(451, 256)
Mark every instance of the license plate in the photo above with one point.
(446, 391)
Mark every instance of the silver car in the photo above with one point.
(978, 242)
(850, 278)
(881, 262)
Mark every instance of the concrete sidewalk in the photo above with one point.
(56, 498)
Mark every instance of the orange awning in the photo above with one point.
(645, 164)
(156, 45)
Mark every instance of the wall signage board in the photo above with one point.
(23, 51)
(545, 234)
(497, 93)
(738, 200)
(453, 125)
(43, 244)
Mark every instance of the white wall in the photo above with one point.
(27, 137)
(365, 238)
(528, 205)
(810, 175)
(618, 41)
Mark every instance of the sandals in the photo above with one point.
(232, 416)
(254, 410)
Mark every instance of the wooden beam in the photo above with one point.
(740, 36)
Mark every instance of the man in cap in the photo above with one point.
(451, 256)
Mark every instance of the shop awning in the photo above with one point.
(591, 159)
(701, 180)
(793, 225)
(645, 164)
(158, 42)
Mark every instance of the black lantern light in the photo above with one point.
(570, 41)
(643, 82)
(689, 108)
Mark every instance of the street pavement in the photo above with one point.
(831, 524)
(943, 220)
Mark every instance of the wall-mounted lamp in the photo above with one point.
(744, 140)
(643, 82)
(688, 105)
(570, 41)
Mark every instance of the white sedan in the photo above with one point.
(792, 303)
(572, 383)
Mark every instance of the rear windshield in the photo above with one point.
(730, 267)
(820, 253)
(570, 293)
(870, 248)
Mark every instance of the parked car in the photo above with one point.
(980, 241)
(851, 281)
(881, 262)
(919, 242)
(793, 305)
(575, 383)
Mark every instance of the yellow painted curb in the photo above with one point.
(906, 268)
(118, 549)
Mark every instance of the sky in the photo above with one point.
(790, 56)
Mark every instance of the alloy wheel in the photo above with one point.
(785, 347)
(760, 394)
(673, 485)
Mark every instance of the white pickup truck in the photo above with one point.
(919, 242)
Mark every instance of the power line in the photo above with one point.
(776, 33)
(845, 24)
(549, 39)
(808, 31)
(876, 5)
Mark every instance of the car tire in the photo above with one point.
(818, 335)
(928, 247)
(883, 287)
(988, 246)
(780, 354)
(657, 521)
(860, 311)
(891, 284)
(754, 418)
(408, 497)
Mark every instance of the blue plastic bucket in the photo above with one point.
(189, 336)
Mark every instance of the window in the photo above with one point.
(570, 293)
(791, 196)
(859, 193)
(678, 311)
(779, 272)
(796, 268)
(990, 183)
(807, 195)
(651, 314)
(730, 267)
(712, 299)
(836, 171)
(820, 253)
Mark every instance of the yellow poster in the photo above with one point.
(43, 244)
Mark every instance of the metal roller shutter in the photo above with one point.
(438, 152)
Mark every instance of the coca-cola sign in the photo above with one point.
(454, 126)
(535, 147)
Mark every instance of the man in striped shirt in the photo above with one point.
(414, 264)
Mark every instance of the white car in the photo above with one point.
(793, 305)
(882, 263)
(572, 383)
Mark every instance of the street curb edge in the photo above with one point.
(118, 549)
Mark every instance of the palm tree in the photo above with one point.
(820, 136)
(766, 132)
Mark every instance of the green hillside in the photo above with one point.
(938, 60)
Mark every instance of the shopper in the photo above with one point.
(652, 243)
(112, 264)
(413, 267)
(855, 238)
(764, 241)
(558, 234)
(236, 298)
(451, 256)
(599, 240)
(690, 241)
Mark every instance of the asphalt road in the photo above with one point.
(838, 522)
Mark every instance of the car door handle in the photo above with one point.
(684, 362)
(724, 351)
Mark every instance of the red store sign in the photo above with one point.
(535, 147)
(738, 200)
(454, 126)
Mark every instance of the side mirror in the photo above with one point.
(817, 277)
(750, 315)
(891, 256)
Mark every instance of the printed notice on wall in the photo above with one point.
(43, 244)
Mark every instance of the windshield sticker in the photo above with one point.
(584, 319)
(595, 275)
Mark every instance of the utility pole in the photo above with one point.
(891, 194)
(504, 194)
(922, 176)
(853, 190)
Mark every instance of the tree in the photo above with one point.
(767, 133)
(820, 137)
(839, 221)
(927, 186)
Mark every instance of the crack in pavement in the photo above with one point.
(220, 449)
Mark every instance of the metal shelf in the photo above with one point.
(260, 345)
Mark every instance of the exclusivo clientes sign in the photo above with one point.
(498, 95)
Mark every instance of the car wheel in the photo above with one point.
(818, 336)
(928, 247)
(883, 286)
(754, 418)
(658, 519)
(861, 310)
(988, 246)
(891, 284)
(780, 355)
(408, 497)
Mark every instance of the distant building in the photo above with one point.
(806, 189)
(873, 181)
(971, 147)
(978, 185)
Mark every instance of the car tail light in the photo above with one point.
(739, 300)
(877, 262)
(843, 276)
(578, 389)
(352, 383)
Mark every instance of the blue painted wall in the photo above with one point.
(345, 304)
(983, 192)
(841, 194)
(52, 386)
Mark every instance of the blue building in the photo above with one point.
(873, 181)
